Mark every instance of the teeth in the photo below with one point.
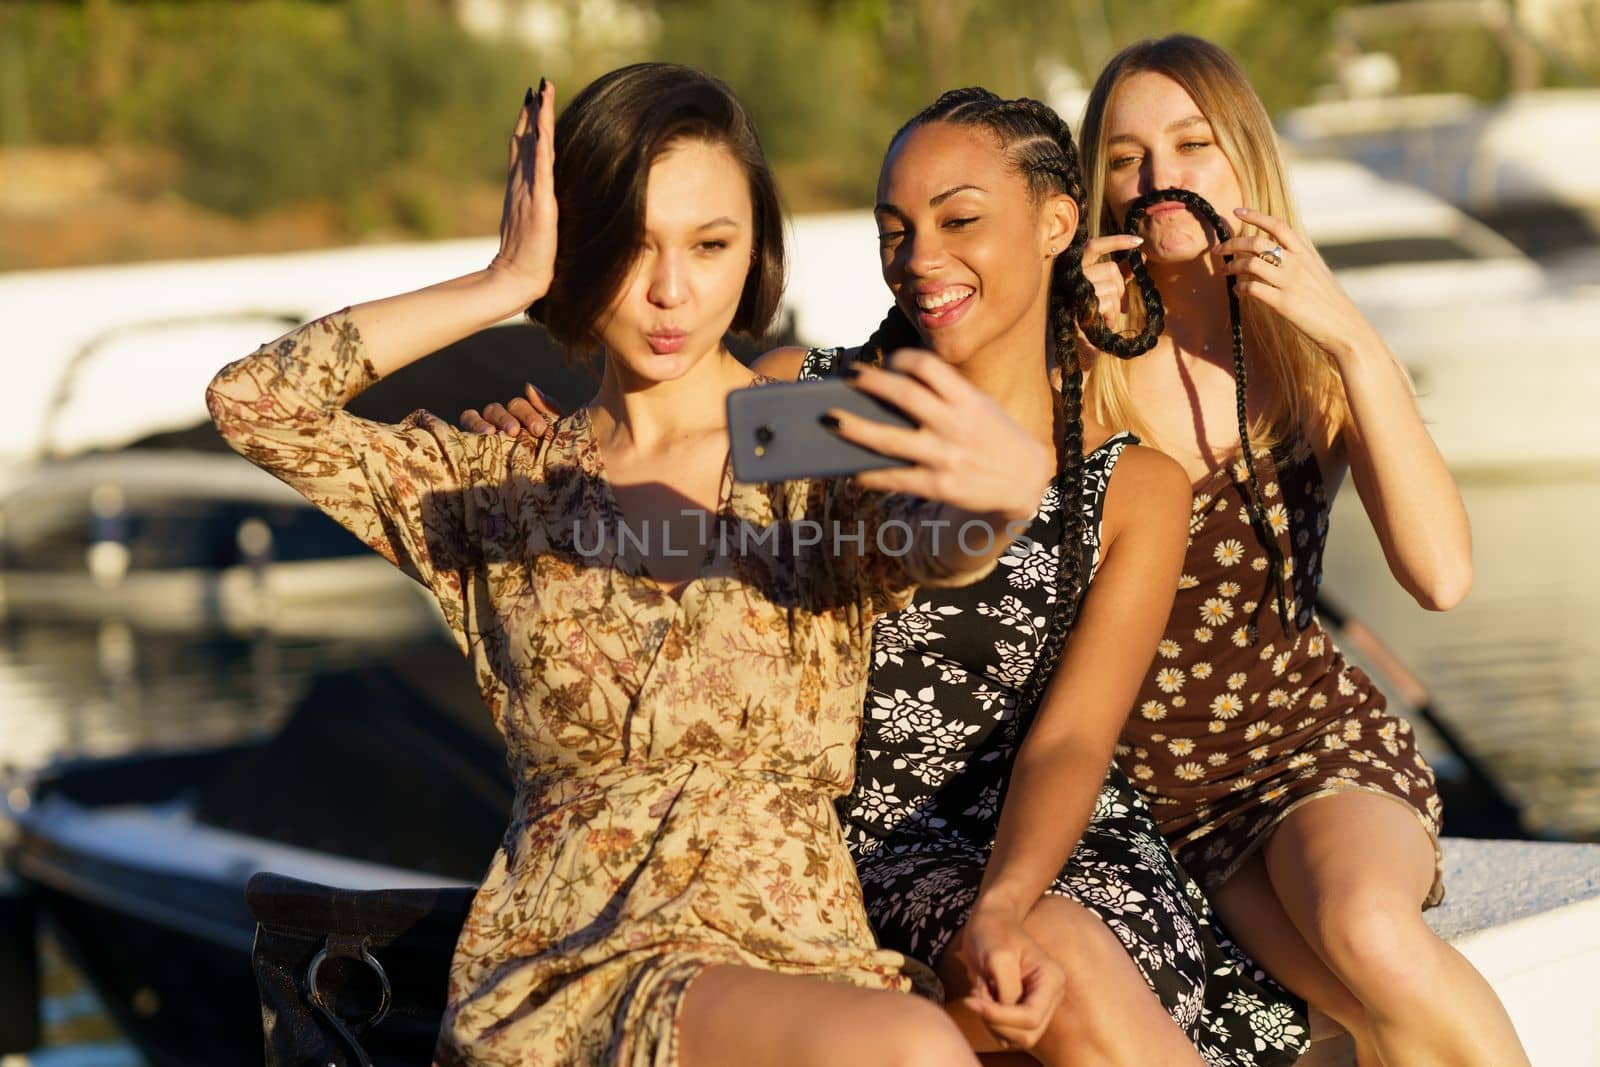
(933, 301)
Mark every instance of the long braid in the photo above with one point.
(1258, 512)
(1040, 146)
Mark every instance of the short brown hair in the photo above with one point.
(606, 141)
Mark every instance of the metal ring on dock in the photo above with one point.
(385, 997)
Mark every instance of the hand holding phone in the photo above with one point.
(776, 432)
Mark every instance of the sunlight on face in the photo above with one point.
(1157, 139)
(681, 295)
(962, 239)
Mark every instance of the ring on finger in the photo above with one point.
(1274, 255)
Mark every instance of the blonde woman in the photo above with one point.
(1271, 764)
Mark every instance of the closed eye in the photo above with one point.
(712, 246)
(961, 223)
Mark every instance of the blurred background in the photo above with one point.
(199, 676)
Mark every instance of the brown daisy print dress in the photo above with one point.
(676, 761)
(1245, 715)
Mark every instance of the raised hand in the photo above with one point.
(1105, 274)
(965, 450)
(533, 412)
(1281, 269)
(528, 217)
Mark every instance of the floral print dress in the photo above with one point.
(1246, 715)
(941, 730)
(676, 761)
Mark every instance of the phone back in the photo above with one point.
(775, 431)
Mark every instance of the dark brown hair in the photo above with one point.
(606, 141)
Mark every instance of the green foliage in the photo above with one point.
(384, 107)
(271, 103)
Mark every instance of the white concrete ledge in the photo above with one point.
(1527, 914)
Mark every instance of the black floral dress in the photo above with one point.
(940, 731)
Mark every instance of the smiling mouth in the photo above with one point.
(939, 308)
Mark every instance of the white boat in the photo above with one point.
(192, 541)
(1528, 163)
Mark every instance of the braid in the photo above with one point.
(1258, 513)
(895, 331)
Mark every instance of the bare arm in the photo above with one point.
(1413, 502)
(1408, 492)
(1063, 761)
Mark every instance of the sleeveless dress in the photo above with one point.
(939, 735)
(676, 762)
(1244, 717)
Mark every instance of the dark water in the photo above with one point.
(96, 688)
(1515, 670)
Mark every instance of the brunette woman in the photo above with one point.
(673, 886)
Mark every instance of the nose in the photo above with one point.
(922, 251)
(1161, 170)
(668, 285)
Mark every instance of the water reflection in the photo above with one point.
(80, 688)
(1515, 668)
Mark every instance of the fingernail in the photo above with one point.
(527, 99)
(541, 88)
(1241, 210)
(1138, 240)
(830, 421)
(850, 370)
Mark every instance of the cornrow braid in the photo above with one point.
(1258, 513)
(1039, 146)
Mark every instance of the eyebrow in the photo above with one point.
(721, 221)
(934, 201)
(1192, 120)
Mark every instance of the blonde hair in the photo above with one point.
(1305, 379)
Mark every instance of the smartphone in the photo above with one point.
(775, 431)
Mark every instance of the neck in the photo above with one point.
(633, 412)
(1195, 296)
(1017, 377)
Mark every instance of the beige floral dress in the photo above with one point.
(1246, 715)
(676, 761)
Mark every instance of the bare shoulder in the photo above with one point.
(1147, 486)
(781, 363)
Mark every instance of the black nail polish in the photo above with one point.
(850, 371)
(830, 421)
(527, 100)
(541, 88)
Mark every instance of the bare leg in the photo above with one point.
(1249, 907)
(1109, 1016)
(1351, 871)
(744, 1017)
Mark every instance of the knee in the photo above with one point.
(920, 1033)
(1087, 950)
(1377, 945)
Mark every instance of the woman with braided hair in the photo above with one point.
(1271, 763)
(989, 839)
